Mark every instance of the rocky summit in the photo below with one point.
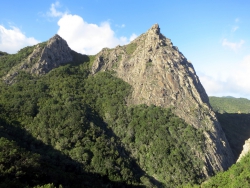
(44, 58)
(161, 75)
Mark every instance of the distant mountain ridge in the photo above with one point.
(230, 104)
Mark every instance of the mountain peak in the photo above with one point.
(45, 57)
(160, 75)
(57, 40)
(155, 29)
(56, 37)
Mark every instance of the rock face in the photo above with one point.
(43, 59)
(161, 75)
(246, 149)
(56, 52)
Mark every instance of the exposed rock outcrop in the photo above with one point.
(43, 59)
(246, 149)
(161, 75)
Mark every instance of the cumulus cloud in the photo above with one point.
(233, 45)
(88, 38)
(12, 40)
(84, 37)
(235, 83)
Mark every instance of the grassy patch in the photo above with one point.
(130, 48)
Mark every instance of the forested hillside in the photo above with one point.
(73, 129)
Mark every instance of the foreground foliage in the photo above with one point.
(74, 129)
(238, 176)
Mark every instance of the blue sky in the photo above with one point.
(214, 35)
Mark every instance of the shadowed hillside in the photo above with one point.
(237, 129)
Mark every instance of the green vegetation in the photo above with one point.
(171, 146)
(3, 53)
(7, 61)
(130, 48)
(230, 104)
(238, 176)
(69, 128)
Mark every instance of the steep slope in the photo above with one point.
(161, 75)
(44, 57)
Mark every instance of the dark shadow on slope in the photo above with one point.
(54, 167)
(97, 120)
(78, 58)
(237, 130)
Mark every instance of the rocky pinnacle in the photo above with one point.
(161, 75)
(43, 59)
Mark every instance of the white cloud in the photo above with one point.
(237, 20)
(242, 74)
(233, 45)
(53, 12)
(84, 37)
(12, 40)
(236, 82)
(88, 38)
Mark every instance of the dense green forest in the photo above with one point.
(69, 128)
